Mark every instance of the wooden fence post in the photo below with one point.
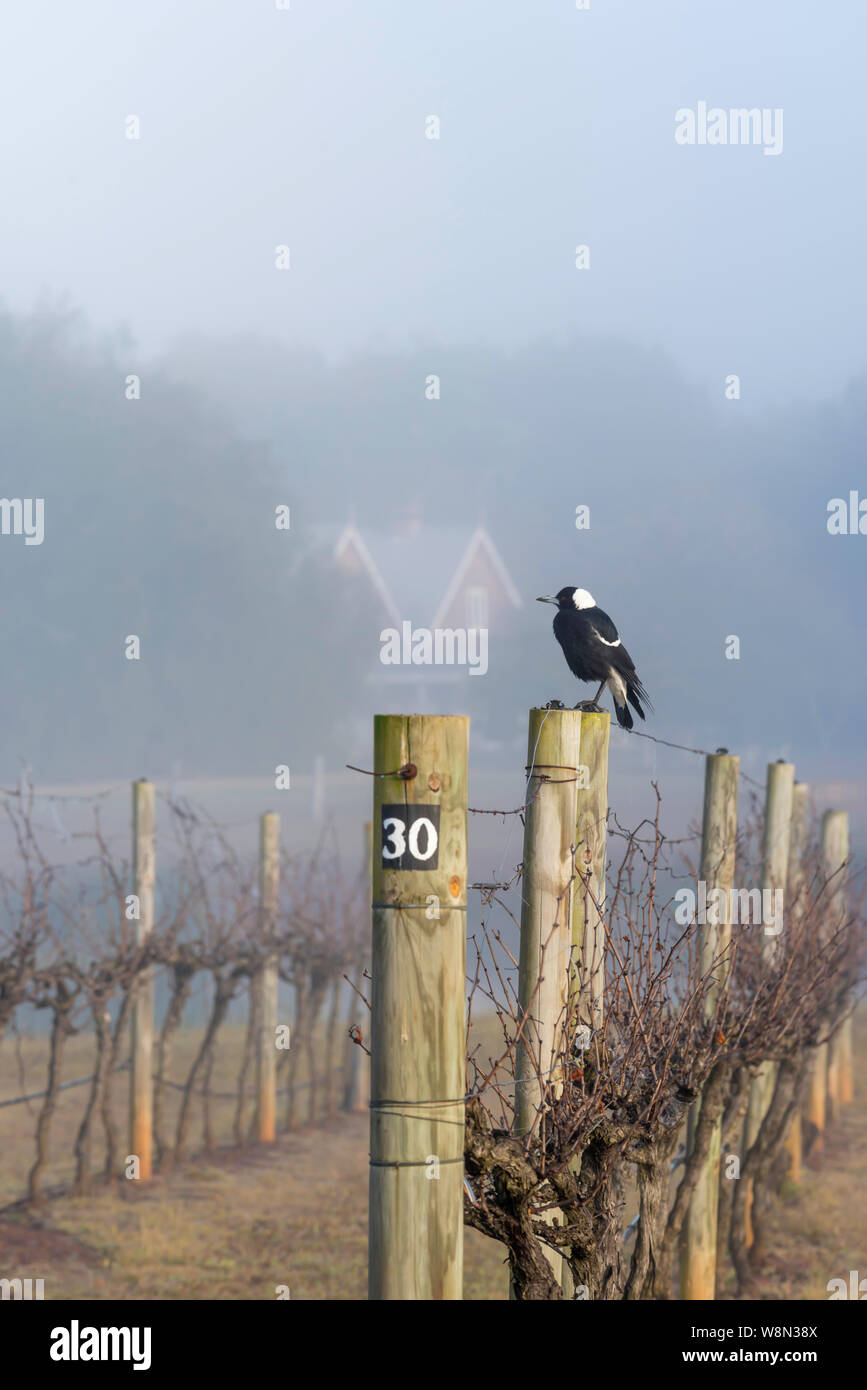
(846, 1078)
(141, 1076)
(716, 870)
(591, 839)
(817, 1099)
(418, 998)
(794, 902)
(265, 983)
(356, 1093)
(835, 852)
(588, 901)
(775, 868)
(546, 903)
(544, 966)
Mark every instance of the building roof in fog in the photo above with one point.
(417, 570)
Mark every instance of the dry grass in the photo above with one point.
(238, 1224)
(819, 1228)
(237, 1227)
(233, 1224)
(23, 1071)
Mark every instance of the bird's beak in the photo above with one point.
(546, 600)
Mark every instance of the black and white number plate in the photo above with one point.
(410, 837)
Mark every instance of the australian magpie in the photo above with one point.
(594, 652)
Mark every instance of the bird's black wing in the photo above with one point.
(602, 623)
(636, 692)
(620, 658)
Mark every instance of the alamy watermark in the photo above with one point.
(855, 1289)
(740, 125)
(847, 519)
(22, 1288)
(739, 907)
(77, 1343)
(23, 516)
(442, 646)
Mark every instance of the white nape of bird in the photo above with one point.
(594, 652)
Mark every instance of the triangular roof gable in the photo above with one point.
(479, 540)
(350, 538)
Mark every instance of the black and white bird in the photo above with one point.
(595, 652)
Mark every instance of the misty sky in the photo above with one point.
(305, 127)
(262, 127)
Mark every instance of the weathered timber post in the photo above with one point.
(835, 852)
(588, 891)
(265, 982)
(418, 998)
(546, 903)
(817, 1097)
(141, 1075)
(775, 870)
(356, 1094)
(716, 871)
(591, 839)
(845, 1074)
(798, 844)
(846, 1078)
(547, 897)
(795, 903)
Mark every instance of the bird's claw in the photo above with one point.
(588, 707)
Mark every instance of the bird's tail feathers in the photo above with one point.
(624, 718)
(635, 693)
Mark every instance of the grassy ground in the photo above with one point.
(23, 1071)
(819, 1227)
(239, 1224)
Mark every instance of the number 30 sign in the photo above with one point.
(410, 837)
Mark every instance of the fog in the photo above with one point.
(609, 386)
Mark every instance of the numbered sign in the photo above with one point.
(410, 837)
